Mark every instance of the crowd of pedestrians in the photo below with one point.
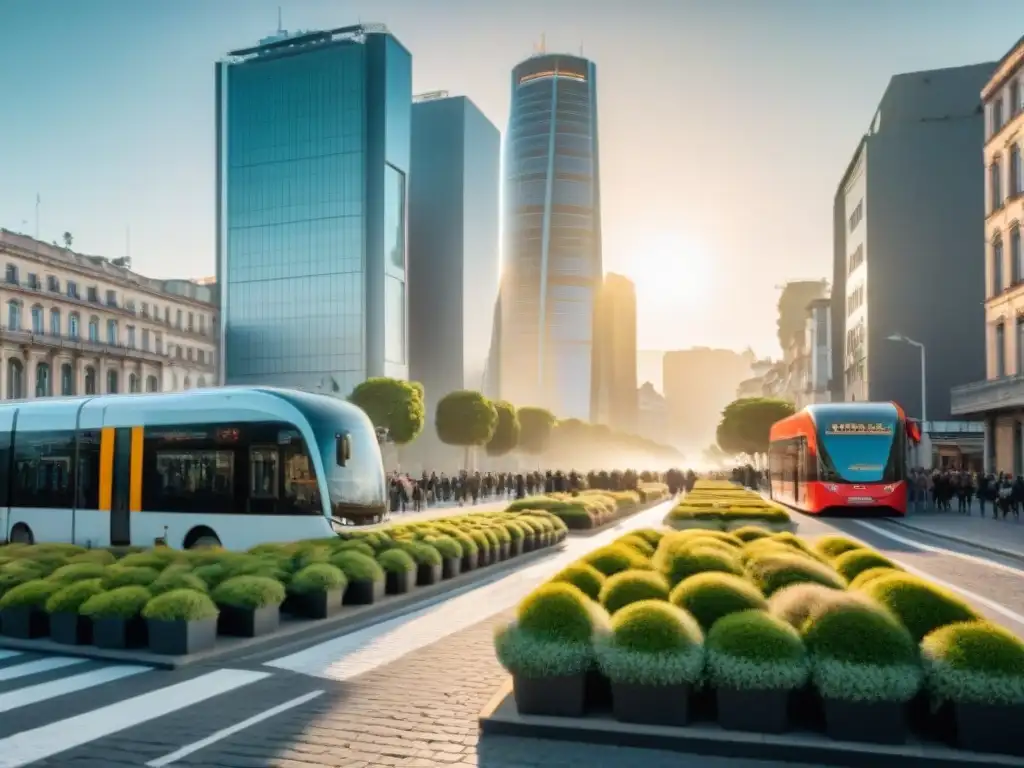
(1001, 493)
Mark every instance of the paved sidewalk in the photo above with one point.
(1001, 536)
(444, 510)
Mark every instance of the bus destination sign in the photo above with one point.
(859, 428)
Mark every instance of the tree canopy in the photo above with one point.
(535, 426)
(465, 418)
(506, 432)
(393, 404)
(747, 422)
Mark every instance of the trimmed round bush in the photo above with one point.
(173, 578)
(396, 561)
(120, 603)
(317, 577)
(361, 547)
(641, 545)
(70, 597)
(98, 556)
(976, 662)
(768, 547)
(754, 651)
(628, 587)
(447, 547)
(249, 592)
(710, 596)
(212, 574)
(359, 567)
(832, 547)
(584, 577)
(921, 607)
(799, 603)
(616, 558)
(551, 635)
(31, 594)
(651, 535)
(181, 605)
(680, 564)
(68, 574)
(115, 576)
(774, 572)
(651, 643)
(864, 578)
(860, 652)
(148, 560)
(796, 543)
(750, 533)
(422, 553)
(853, 563)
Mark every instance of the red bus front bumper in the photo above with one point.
(866, 496)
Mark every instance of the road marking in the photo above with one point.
(39, 743)
(940, 550)
(4, 654)
(34, 694)
(213, 738)
(39, 665)
(972, 596)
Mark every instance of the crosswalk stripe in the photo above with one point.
(45, 741)
(33, 694)
(38, 666)
(6, 654)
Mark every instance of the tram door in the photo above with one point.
(120, 484)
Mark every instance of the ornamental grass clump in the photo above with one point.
(642, 546)
(173, 578)
(651, 643)
(855, 562)
(754, 651)
(831, 547)
(68, 574)
(629, 587)
(121, 603)
(317, 577)
(677, 564)
(584, 577)
(773, 572)
(249, 592)
(864, 578)
(750, 533)
(97, 556)
(616, 558)
(422, 553)
(446, 547)
(359, 567)
(118, 575)
(31, 594)
(710, 596)
(181, 605)
(70, 597)
(552, 634)
(396, 561)
(860, 652)
(974, 662)
(799, 603)
(921, 607)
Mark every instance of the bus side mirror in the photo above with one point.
(342, 449)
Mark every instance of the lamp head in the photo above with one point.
(896, 337)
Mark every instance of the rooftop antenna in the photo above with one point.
(280, 27)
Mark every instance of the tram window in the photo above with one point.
(301, 493)
(193, 481)
(264, 469)
(88, 470)
(42, 469)
(5, 467)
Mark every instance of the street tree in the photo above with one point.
(746, 424)
(506, 432)
(535, 427)
(465, 418)
(394, 405)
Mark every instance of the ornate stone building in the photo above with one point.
(75, 324)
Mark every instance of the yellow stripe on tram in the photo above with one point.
(106, 468)
(135, 489)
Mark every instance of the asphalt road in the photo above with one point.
(405, 692)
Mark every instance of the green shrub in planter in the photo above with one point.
(359, 567)
(799, 603)
(768, 547)
(265, 567)
(447, 547)
(750, 533)
(97, 556)
(853, 563)
(249, 592)
(317, 577)
(629, 587)
(635, 542)
(651, 535)
(115, 576)
(173, 579)
(31, 594)
(212, 574)
(120, 603)
(861, 653)
(689, 537)
(584, 577)
(866, 577)
(679, 564)
(796, 543)
(45, 562)
(16, 573)
(68, 574)
(396, 561)
(770, 573)
(153, 559)
(831, 547)
(71, 596)
(361, 547)
(616, 558)
(976, 662)
(921, 607)
(422, 553)
(752, 650)
(180, 605)
(710, 596)
(181, 621)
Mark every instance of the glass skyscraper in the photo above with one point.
(313, 149)
(553, 269)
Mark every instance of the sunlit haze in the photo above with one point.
(725, 126)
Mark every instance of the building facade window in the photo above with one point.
(15, 379)
(12, 274)
(1015, 171)
(67, 379)
(997, 115)
(43, 380)
(112, 382)
(37, 320)
(90, 380)
(145, 339)
(14, 315)
(1015, 255)
(997, 266)
(73, 325)
(94, 329)
(152, 384)
(996, 184)
(1000, 350)
(112, 332)
(1014, 101)
(133, 383)
(131, 336)
(55, 324)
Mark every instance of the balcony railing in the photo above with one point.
(78, 345)
(992, 394)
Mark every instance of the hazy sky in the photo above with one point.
(725, 124)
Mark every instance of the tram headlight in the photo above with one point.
(889, 488)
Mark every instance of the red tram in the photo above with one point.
(842, 458)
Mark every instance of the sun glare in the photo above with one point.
(669, 269)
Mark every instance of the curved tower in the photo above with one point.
(552, 257)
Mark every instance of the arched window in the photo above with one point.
(67, 379)
(73, 321)
(202, 382)
(133, 383)
(188, 382)
(90, 380)
(1016, 260)
(55, 325)
(995, 181)
(1015, 171)
(43, 380)
(37, 319)
(94, 328)
(15, 379)
(151, 384)
(111, 382)
(14, 315)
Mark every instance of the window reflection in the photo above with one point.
(394, 218)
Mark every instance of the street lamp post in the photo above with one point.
(926, 447)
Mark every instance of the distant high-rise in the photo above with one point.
(699, 383)
(454, 215)
(313, 135)
(553, 267)
(615, 403)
